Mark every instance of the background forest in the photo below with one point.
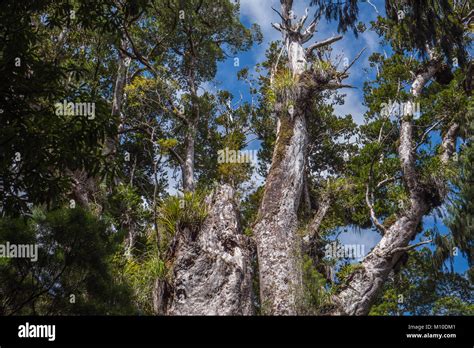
(237, 157)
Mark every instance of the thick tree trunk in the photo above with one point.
(212, 270)
(278, 245)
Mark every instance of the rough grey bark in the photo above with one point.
(318, 218)
(448, 146)
(361, 291)
(278, 244)
(365, 283)
(160, 296)
(277, 241)
(212, 270)
(187, 166)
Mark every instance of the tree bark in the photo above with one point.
(318, 218)
(212, 270)
(360, 292)
(278, 244)
(118, 96)
(187, 167)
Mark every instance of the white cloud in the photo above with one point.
(261, 13)
(352, 105)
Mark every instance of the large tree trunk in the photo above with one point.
(278, 244)
(212, 269)
(365, 283)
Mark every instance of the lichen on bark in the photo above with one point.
(213, 269)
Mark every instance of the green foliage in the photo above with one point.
(283, 81)
(419, 288)
(249, 210)
(70, 51)
(346, 13)
(34, 139)
(74, 258)
(450, 305)
(316, 294)
(175, 49)
(236, 168)
(347, 270)
(178, 213)
(412, 24)
(462, 221)
(141, 273)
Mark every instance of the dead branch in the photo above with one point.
(323, 43)
(355, 59)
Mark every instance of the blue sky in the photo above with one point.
(260, 12)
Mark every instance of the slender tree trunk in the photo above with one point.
(111, 143)
(361, 291)
(83, 185)
(187, 167)
(363, 287)
(188, 163)
(318, 218)
(118, 96)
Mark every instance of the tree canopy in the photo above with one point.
(150, 186)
